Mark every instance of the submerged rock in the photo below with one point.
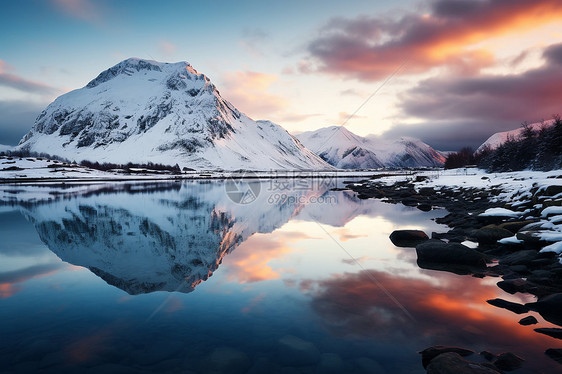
(294, 351)
(408, 238)
(453, 363)
(226, 360)
(430, 353)
(508, 361)
(555, 354)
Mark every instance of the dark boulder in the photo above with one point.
(514, 307)
(523, 257)
(549, 307)
(529, 320)
(552, 332)
(490, 234)
(552, 190)
(555, 354)
(513, 285)
(436, 251)
(508, 361)
(408, 238)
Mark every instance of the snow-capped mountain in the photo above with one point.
(141, 110)
(149, 237)
(499, 138)
(4, 148)
(340, 147)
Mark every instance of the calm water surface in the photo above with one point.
(177, 277)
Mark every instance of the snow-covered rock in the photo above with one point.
(141, 110)
(340, 147)
(499, 138)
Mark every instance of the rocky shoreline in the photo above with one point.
(515, 239)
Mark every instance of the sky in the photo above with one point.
(450, 72)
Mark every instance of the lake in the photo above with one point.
(275, 276)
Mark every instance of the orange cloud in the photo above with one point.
(248, 91)
(453, 310)
(250, 261)
(372, 48)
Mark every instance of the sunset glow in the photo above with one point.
(301, 71)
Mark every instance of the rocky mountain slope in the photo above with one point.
(140, 111)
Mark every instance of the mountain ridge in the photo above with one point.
(143, 110)
(342, 148)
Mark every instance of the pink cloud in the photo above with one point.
(84, 10)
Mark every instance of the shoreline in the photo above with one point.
(495, 230)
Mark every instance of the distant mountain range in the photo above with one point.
(146, 111)
(340, 147)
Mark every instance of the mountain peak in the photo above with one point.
(135, 65)
(342, 148)
(148, 111)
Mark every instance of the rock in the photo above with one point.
(549, 307)
(294, 351)
(453, 363)
(515, 226)
(552, 332)
(523, 257)
(425, 207)
(508, 361)
(330, 363)
(551, 190)
(490, 234)
(521, 269)
(488, 355)
(225, 360)
(430, 353)
(555, 354)
(529, 320)
(531, 237)
(513, 307)
(427, 191)
(408, 238)
(513, 285)
(436, 251)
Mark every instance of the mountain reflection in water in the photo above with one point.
(280, 280)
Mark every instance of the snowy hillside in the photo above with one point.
(499, 138)
(140, 111)
(4, 148)
(340, 147)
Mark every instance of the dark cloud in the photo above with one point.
(479, 106)
(370, 48)
(553, 54)
(17, 119)
(451, 135)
